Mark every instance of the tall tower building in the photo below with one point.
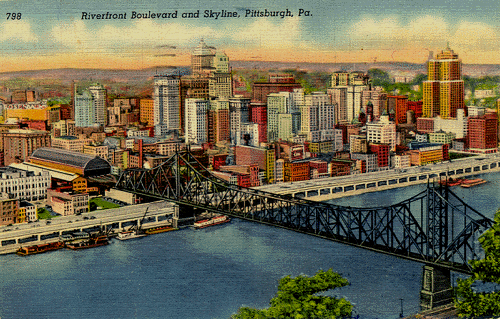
(196, 121)
(90, 106)
(166, 107)
(202, 58)
(346, 93)
(218, 121)
(100, 97)
(443, 92)
(219, 84)
(277, 104)
(317, 117)
(238, 114)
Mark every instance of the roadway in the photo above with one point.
(159, 213)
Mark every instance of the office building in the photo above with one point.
(19, 144)
(195, 131)
(443, 91)
(166, 107)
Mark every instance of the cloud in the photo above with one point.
(265, 33)
(385, 33)
(140, 34)
(423, 32)
(475, 35)
(427, 28)
(17, 30)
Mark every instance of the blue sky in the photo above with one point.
(51, 33)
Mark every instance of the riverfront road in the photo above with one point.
(335, 187)
(159, 213)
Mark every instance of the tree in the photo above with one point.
(92, 206)
(480, 304)
(298, 298)
(379, 77)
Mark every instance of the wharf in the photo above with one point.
(160, 213)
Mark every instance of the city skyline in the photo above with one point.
(63, 34)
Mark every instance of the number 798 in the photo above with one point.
(13, 16)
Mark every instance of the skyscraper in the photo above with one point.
(196, 121)
(90, 106)
(238, 114)
(443, 92)
(202, 58)
(166, 107)
(345, 91)
(317, 117)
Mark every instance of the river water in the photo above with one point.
(210, 273)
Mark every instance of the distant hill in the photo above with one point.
(114, 75)
(140, 76)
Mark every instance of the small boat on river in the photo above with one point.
(216, 220)
(38, 249)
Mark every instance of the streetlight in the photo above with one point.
(401, 314)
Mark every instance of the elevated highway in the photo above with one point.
(335, 187)
(159, 213)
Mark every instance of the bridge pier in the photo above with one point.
(436, 288)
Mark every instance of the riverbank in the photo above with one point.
(444, 312)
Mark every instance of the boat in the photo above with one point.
(129, 234)
(133, 233)
(160, 229)
(452, 182)
(83, 240)
(216, 220)
(38, 249)
(472, 182)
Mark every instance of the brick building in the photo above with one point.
(483, 133)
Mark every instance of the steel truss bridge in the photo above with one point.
(434, 227)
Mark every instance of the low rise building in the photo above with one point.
(24, 184)
(296, 171)
(97, 150)
(427, 153)
(126, 197)
(441, 137)
(341, 167)
(369, 160)
(401, 161)
(318, 169)
(248, 175)
(70, 143)
(67, 202)
(28, 211)
(9, 210)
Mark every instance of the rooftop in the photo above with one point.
(91, 165)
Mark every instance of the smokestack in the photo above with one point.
(140, 154)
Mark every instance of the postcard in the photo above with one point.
(385, 113)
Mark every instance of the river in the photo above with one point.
(210, 273)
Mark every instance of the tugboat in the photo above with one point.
(83, 240)
(216, 220)
(38, 249)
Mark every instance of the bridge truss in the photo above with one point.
(435, 226)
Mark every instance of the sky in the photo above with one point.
(47, 34)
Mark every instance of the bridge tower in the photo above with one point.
(436, 288)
